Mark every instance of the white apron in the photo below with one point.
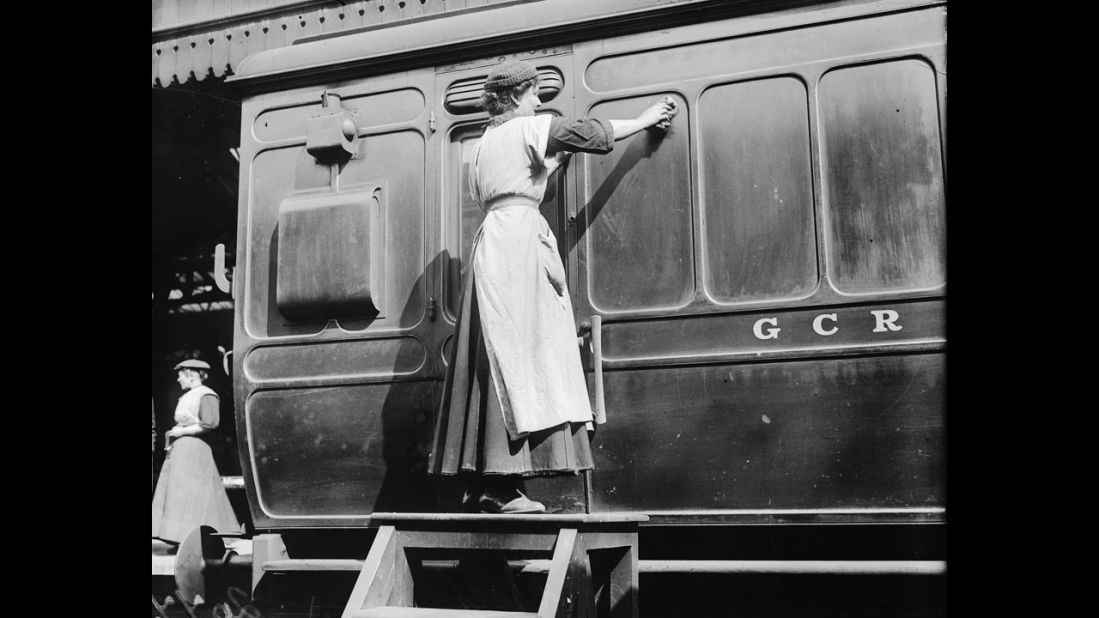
(526, 315)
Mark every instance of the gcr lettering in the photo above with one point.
(827, 324)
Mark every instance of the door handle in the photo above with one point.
(225, 358)
(597, 365)
(219, 268)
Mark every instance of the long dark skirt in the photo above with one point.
(470, 435)
(189, 493)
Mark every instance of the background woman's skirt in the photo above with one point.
(189, 493)
(470, 435)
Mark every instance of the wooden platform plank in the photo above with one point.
(578, 518)
(317, 564)
(430, 612)
(453, 539)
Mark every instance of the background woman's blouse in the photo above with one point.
(205, 411)
(209, 412)
(209, 417)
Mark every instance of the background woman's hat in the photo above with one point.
(192, 363)
(510, 74)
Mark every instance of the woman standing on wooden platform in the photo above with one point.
(515, 401)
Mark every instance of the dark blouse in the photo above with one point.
(209, 417)
(585, 135)
(209, 414)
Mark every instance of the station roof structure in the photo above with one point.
(202, 39)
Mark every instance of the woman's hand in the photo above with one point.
(181, 430)
(660, 114)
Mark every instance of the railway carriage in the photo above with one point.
(761, 290)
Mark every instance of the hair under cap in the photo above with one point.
(192, 363)
(510, 74)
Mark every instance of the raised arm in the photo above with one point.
(597, 136)
(663, 111)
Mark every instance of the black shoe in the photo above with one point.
(469, 501)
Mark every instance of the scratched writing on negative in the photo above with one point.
(240, 608)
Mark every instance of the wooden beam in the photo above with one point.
(375, 582)
(552, 600)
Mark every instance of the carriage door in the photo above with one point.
(460, 124)
(333, 340)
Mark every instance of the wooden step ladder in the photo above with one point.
(593, 570)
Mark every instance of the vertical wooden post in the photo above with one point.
(580, 589)
(375, 582)
(400, 594)
(553, 601)
(624, 584)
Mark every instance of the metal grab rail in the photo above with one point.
(787, 567)
(597, 365)
(830, 567)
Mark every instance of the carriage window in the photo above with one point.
(757, 191)
(883, 176)
(465, 215)
(464, 96)
(637, 207)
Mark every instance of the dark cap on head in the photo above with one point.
(510, 74)
(192, 363)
